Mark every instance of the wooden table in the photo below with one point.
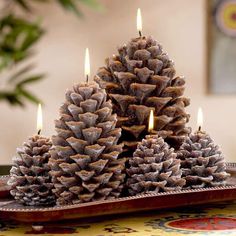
(213, 219)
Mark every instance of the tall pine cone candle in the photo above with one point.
(29, 176)
(202, 162)
(139, 78)
(85, 159)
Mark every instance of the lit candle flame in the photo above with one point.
(39, 119)
(139, 22)
(151, 122)
(87, 65)
(199, 119)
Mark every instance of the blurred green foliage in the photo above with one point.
(17, 36)
(17, 39)
(70, 5)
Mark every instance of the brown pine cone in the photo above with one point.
(154, 168)
(140, 78)
(29, 178)
(202, 162)
(85, 159)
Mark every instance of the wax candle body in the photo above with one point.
(202, 162)
(29, 176)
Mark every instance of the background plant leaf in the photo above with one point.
(21, 72)
(92, 3)
(18, 37)
(11, 97)
(31, 79)
(28, 95)
(70, 5)
(23, 4)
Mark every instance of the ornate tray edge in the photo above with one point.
(4, 176)
(230, 164)
(81, 205)
(122, 199)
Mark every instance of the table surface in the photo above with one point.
(214, 219)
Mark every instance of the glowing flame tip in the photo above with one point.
(151, 122)
(200, 118)
(139, 21)
(39, 119)
(87, 64)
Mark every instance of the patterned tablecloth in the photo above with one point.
(216, 219)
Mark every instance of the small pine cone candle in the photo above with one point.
(29, 177)
(140, 78)
(85, 159)
(202, 162)
(154, 168)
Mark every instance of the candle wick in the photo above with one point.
(199, 128)
(87, 78)
(39, 131)
(140, 33)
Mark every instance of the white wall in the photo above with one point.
(178, 24)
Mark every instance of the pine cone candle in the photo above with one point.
(140, 78)
(29, 178)
(154, 168)
(202, 162)
(85, 163)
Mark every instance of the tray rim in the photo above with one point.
(23, 208)
(4, 176)
(81, 205)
